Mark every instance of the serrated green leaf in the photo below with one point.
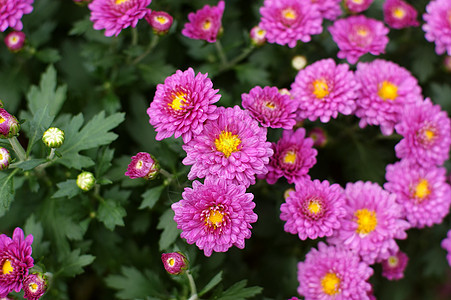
(213, 282)
(81, 27)
(73, 263)
(170, 231)
(239, 291)
(111, 214)
(67, 189)
(34, 227)
(6, 191)
(29, 164)
(252, 75)
(151, 196)
(103, 161)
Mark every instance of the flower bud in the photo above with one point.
(5, 158)
(15, 41)
(299, 62)
(160, 21)
(287, 192)
(35, 285)
(319, 137)
(53, 137)
(143, 165)
(9, 126)
(258, 36)
(175, 263)
(85, 181)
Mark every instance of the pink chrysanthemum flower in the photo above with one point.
(215, 215)
(386, 90)
(205, 24)
(358, 35)
(446, 244)
(372, 223)
(399, 14)
(329, 9)
(325, 89)
(15, 40)
(11, 12)
(423, 192)
(9, 126)
(319, 137)
(313, 210)
(393, 267)
(293, 157)
(333, 273)
(34, 286)
(426, 131)
(5, 158)
(257, 36)
(175, 263)
(270, 108)
(115, 15)
(288, 21)
(15, 260)
(143, 165)
(438, 25)
(182, 104)
(232, 147)
(357, 6)
(160, 21)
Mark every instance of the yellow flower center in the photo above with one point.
(261, 33)
(290, 157)
(393, 261)
(206, 25)
(171, 262)
(139, 164)
(357, 1)
(121, 1)
(314, 206)
(33, 287)
(399, 12)
(7, 267)
(161, 19)
(289, 14)
(330, 284)
(320, 88)
(422, 189)
(2, 120)
(270, 105)
(388, 90)
(13, 39)
(1, 157)
(362, 31)
(366, 221)
(178, 100)
(227, 143)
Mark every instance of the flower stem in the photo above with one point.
(18, 149)
(134, 36)
(192, 285)
(52, 154)
(152, 44)
(221, 53)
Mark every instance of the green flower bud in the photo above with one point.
(53, 137)
(85, 181)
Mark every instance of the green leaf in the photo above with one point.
(29, 164)
(73, 263)
(6, 191)
(440, 95)
(67, 189)
(48, 55)
(111, 214)
(239, 291)
(151, 196)
(103, 161)
(213, 282)
(170, 231)
(252, 75)
(34, 227)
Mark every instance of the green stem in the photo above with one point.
(18, 149)
(237, 59)
(221, 53)
(192, 285)
(52, 154)
(134, 36)
(152, 44)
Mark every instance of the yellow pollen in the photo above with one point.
(362, 31)
(289, 14)
(366, 221)
(357, 1)
(429, 134)
(161, 19)
(422, 189)
(392, 261)
(178, 101)
(120, 1)
(1, 156)
(7, 267)
(290, 157)
(270, 105)
(399, 13)
(320, 88)
(206, 25)
(388, 91)
(171, 262)
(261, 33)
(14, 39)
(216, 218)
(227, 143)
(314, 206)
(33, 286)
(2, 120)
(330, 284)
(139, 164)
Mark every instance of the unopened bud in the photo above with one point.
(299, 62)
(9, 126)
(35, 285)
(85, 181)
(143, 165)
(5, 158)
(258, 36)
(175, 263)
(160, 21)
(15, 41)
(53, 137)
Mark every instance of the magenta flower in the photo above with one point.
(15, 40)
(11, 12)
(215, 215)
(182, 105)
(205, 24)
(329, 9)
(175, 263)
(333, 273)
(438, 25)
(288, 21)
(386, 90)
(446, 244)
(426, 131)
(357, 6)
(143, 165)
(257, 36)
(423, 192)
(15, 260)
(358, 35)
(372, 223)
(399, 14)
(160, 21)
(325, 89)
(232, 147)
(319, 137)
(34, 286)
(393, 267)
(9, 126)
(115, 15)
(293, 157)
(314, 210)
(5, 158)
(270, 108)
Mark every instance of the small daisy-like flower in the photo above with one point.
(34, 286)
(53, 137)
(319, 137)
(9, 126)
(11, 12)
(325, 89)
(205, 24)
(358, 35)
(399, 14)
(333, 273)
(258, 36)
(182, 105)
(423, 192)
(15, 260)
(329, 9)
(5, 158)
(270, 108)
(438, 25)
(293, 157)
(313, 210)
(143, 165)
(446, 244)
(115, 15)
(426, 131)
(393, 267)
(160, 21)
(232, 147)
(372, 223)
(288, 21)
(175, 263)
(386, 90)
(15, 40)
(215, 215)
(357, 6)
(85, 181)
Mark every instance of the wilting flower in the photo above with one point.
(9, 126)
(372, 223)
(438, 25)
(15, 40)
(393, 267)
(288, 21)
(85, 181)
(5, 158)
(143, 165)
(15, 260)
(175, 263)
(319, 136)
(446, 244)
(399, 14)
(357, 6)
(325, 89)
(11, 12)
(53, 137)
(205, 24)
(358, 35)
(386, 90)
(258, 36)
(333, 273)
(215, 215)
(314, 209)
(426, 131)
(422, 192)
(35, 285)
(115, 15)
(160, 21)
(270, 108)
(232, 147)
(182, 104)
